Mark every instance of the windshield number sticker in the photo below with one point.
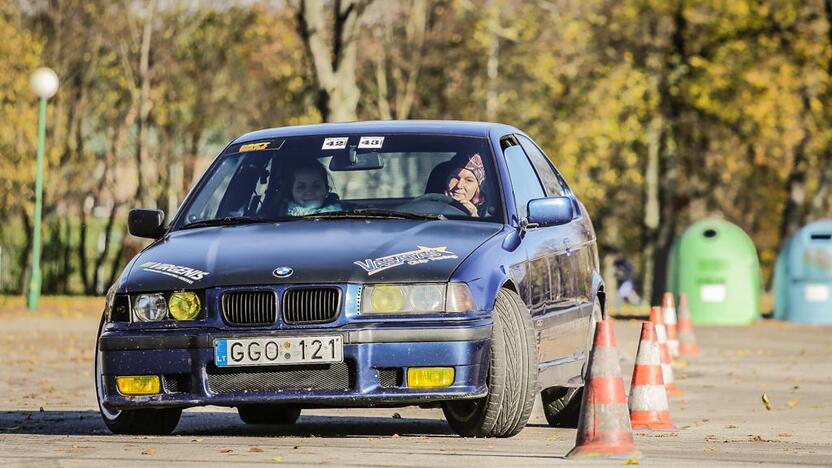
(335, 143)
(370, 142)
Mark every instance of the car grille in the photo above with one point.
(249, 307)
(335, 376)
(311, 305)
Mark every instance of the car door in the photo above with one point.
(556, 260)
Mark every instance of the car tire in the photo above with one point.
(512, 376)
(562, 405)
(142, 421)
(268, 414)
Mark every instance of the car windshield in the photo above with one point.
(410, 176)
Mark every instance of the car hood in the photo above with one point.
(317, 251)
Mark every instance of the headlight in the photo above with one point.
(150, 308)
(416, 298)
(184, 305)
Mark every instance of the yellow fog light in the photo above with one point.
(139, 384)
(387, 298)
(430, 376)
(184, 305)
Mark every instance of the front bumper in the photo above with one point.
(376, 359)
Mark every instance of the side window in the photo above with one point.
(525, 184)
(543, 167)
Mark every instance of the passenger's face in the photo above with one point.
(308, 187)
(462, 185)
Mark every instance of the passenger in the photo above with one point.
(464, 183)
(307, 190)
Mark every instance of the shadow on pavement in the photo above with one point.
(53, 422)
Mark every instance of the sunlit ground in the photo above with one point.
(53, 306)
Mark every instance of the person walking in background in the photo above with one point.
(625, 276)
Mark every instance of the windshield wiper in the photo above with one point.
(229, 221)
(375, 213)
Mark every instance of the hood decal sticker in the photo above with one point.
(413, 257)
(183, 273)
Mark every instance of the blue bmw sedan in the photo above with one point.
(429, 263)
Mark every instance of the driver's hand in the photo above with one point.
(472, 209)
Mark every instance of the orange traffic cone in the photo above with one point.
(669, 319)
(648, 396)
(604, 424)
(687, 340)
(667, 370)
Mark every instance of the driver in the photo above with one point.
(464, 181)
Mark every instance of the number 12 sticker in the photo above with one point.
(371, 142)
(335, 143)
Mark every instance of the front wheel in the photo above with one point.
(512, 377)
(145, 421)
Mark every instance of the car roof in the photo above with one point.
(447, 127)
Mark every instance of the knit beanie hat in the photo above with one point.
(471, 162)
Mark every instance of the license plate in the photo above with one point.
(275, 351)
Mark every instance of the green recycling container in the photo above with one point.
(715, 263)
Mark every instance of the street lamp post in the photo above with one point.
(44, 83)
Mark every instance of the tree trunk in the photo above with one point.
(25, 257)
(650, 223)
(144, 104)
(102, 256)
(493, 65)
(82, 249)
(796, 183)
(665, 65)
(333, 67)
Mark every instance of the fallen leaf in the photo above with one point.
(149, 451)
(631, 461)
(766, 402)
(276, 459)
(226, 450)
(785, 434)
(792, 403)
(255, 449)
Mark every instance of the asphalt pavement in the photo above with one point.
(48, 413)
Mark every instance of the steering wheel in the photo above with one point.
(435, 203)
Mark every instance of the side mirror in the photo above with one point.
(143, 222)
(552, 211)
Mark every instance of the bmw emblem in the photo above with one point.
(283, 272)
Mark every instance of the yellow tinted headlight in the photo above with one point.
(184, 305)
(139, 384)
(387, 298)
(430, 376)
